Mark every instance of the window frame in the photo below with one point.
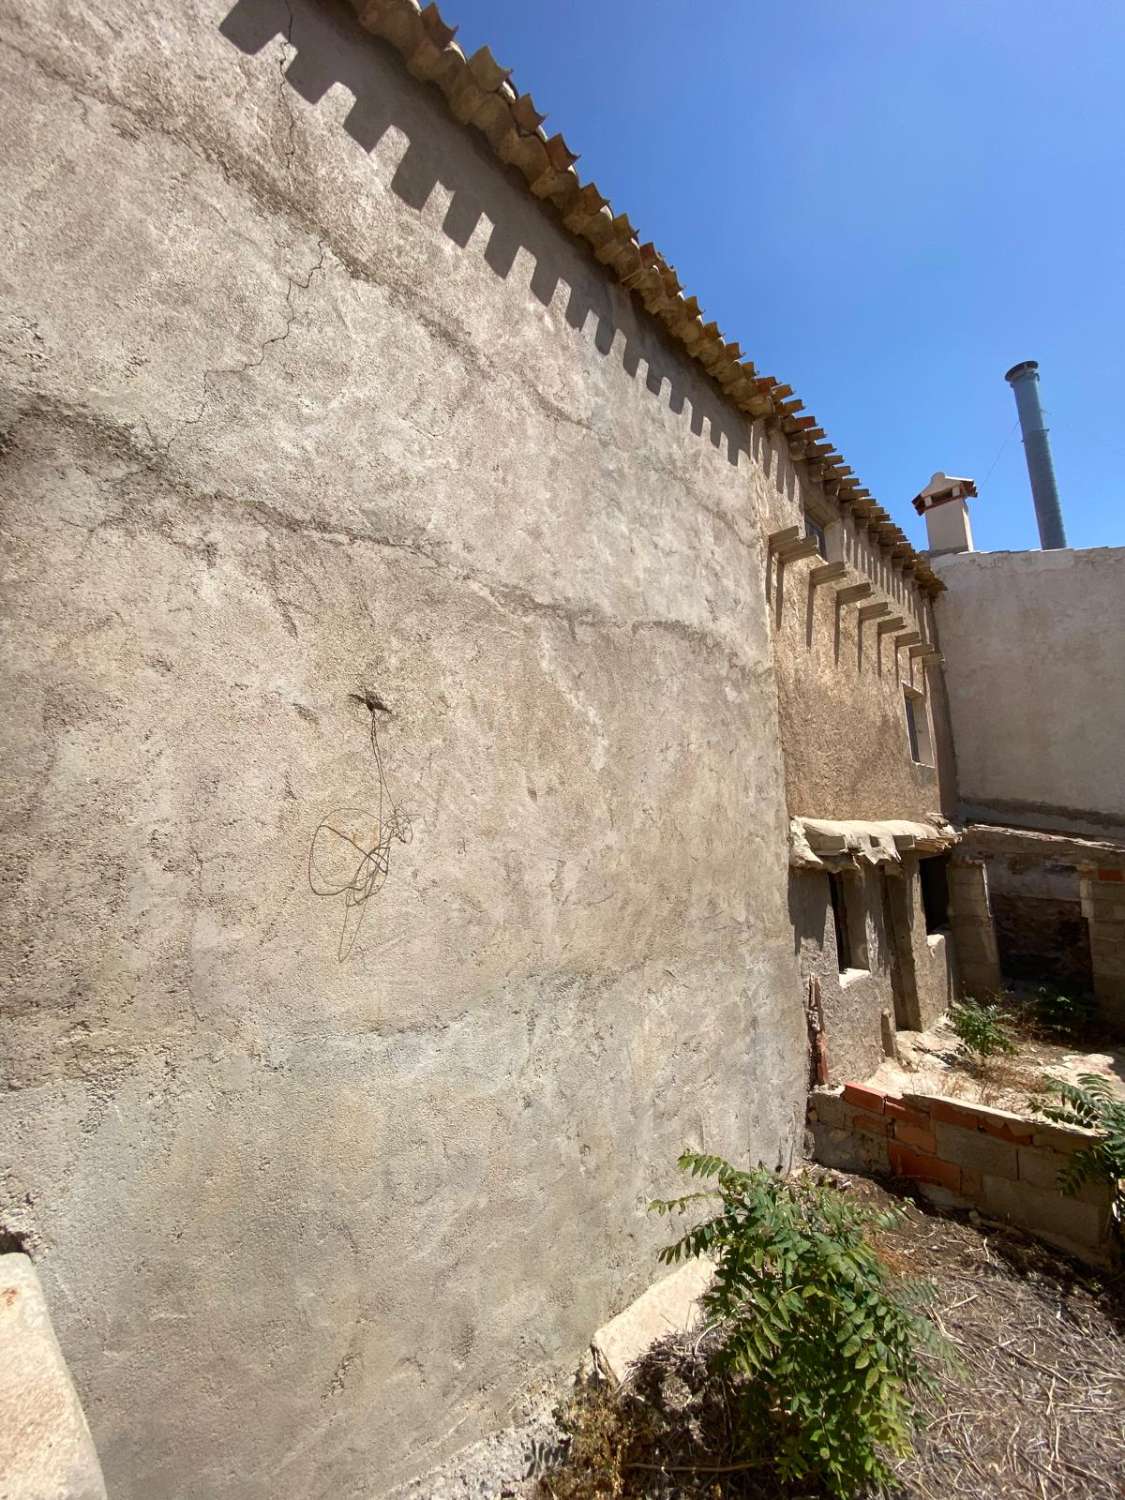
(815, 528)
(919, 736)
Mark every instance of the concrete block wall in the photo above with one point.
(967, 1156)
(1103, 906)
(974, 936)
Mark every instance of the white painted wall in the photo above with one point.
(1034, 646)
(948, 528)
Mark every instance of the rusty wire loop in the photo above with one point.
(369, 873)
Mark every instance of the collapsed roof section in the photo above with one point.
(480, 92)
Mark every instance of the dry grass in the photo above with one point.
(933, 1062)
(997, 1081)
(1036, 1408)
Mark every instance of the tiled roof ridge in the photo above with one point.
(479, 92)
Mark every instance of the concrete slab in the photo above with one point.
(670, 1306)
(46, 1451)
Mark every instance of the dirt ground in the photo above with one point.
(929, 1063)
(1035, 1411)
(1039, 1407)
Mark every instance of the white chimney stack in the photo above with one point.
(942, 503)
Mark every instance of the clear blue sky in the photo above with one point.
(887, 203)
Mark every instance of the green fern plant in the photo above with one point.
(1092, 1103)
(981, 1029)
(832, 1347)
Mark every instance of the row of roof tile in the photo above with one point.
(480, 93)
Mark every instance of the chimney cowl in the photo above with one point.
(1021, 371)
(943, 487)
(943, 503)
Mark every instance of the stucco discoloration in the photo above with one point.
(302, 396)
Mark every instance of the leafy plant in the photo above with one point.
(1060, 1014)
(831, 1344)
(1090, 1102)
(981, 1029)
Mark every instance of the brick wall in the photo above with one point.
(966, 1156)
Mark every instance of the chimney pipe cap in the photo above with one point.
(1023, 371)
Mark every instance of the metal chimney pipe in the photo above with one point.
(1024, 380)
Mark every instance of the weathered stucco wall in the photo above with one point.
(1032, 644)
(928, 977)
(853, 1000)
(841, 679)
(301, 396)
(897, 967)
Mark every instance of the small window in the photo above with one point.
(848, 919)
(934, 876)
(917, 727)
(814, 528)
(840, 918)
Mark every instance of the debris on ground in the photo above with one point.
(1035, 1409)
(505, 1465)
(931, 1062)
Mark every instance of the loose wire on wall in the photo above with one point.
(366, 879)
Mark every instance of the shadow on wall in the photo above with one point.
(332, 48)
(808, 907)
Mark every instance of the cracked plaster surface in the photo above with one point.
(277, 429)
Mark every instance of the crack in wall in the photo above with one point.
(294, 283)
(85, 93)
(283, 91)
(511, 598)
(283, 203)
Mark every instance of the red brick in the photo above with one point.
(906, 1163)
(1111, 874)
(874, 1124)
(911, 1135)
(954, 1114)
(981, 1117)
(903, 1112)
(1008, 1130)
(870, 1099)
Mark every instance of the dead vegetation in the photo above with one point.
(1035, 1408)
(933, 1061)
